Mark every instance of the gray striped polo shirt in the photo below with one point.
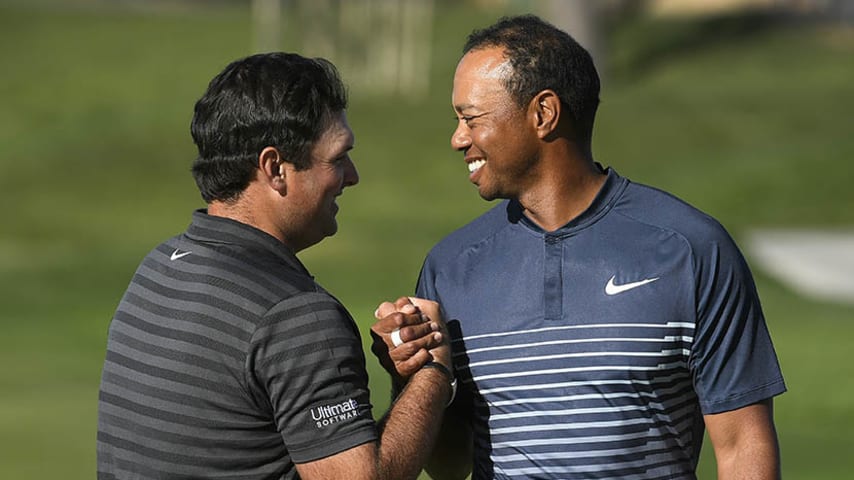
(226, 360)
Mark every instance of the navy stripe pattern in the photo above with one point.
(594, 351)
(593, 401)
(225, 359)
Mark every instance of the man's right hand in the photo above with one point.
(409, 429)
(421, 336)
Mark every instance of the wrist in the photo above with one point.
(449, 376)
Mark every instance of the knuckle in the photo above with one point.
(396, 318)
(400, 302)
(409, 349)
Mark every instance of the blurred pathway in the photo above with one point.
(819, 264)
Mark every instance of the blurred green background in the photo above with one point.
(747, 116)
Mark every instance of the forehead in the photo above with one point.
(336, 139)
(337, 127)
(479, 76)
(486, 63)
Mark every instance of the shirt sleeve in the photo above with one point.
(307, 364)
(733, 360)
(425, 288)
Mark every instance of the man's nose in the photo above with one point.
(351, 175)
(460, 139)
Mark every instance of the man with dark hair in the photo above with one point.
(225, 359)
(598, 325)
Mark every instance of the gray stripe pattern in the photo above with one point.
(218, 353)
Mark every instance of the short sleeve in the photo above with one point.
(306, 363)
(425, 287)
(733, 360)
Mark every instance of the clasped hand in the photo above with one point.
(421, 336)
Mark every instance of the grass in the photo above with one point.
(95, 150)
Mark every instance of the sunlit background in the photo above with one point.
(743, 108)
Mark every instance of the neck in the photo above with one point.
(242, 211)
(562, 195)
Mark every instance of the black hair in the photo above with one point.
(544, 57)
(276, 99)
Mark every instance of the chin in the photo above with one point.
(488, 195)
(332, 229)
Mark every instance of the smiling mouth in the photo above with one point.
(475, 165)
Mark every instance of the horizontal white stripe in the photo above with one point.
(549, 471)
(663, 353)
(666, 339)
(587, 396)
(569, 426)
(578, 327)
(654, 445)
(546, 386)
(620, 368)
(537, 442)
(578, 411)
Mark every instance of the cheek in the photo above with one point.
(485, 140)
(332, 183)
(497, 144)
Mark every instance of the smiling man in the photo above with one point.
(599, 326)
(225, 359)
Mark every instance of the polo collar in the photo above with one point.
(602, 203)
(207, 228)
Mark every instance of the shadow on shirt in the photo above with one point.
(470, 407)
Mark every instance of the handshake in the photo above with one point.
(411, 334)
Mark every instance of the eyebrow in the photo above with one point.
(345, 150)
(476, 114)
(467, 106)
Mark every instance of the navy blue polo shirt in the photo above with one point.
(595, 349)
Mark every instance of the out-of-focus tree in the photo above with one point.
(582, 20)
(588, 22)
(380, 45)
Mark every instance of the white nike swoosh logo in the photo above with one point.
(611, 289)
(176, 255)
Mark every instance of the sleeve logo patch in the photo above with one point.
(325, 415)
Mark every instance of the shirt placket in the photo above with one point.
(553, 277)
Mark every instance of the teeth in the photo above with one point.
(476, 164)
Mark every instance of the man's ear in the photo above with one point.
(546, 107)
(273, 169)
